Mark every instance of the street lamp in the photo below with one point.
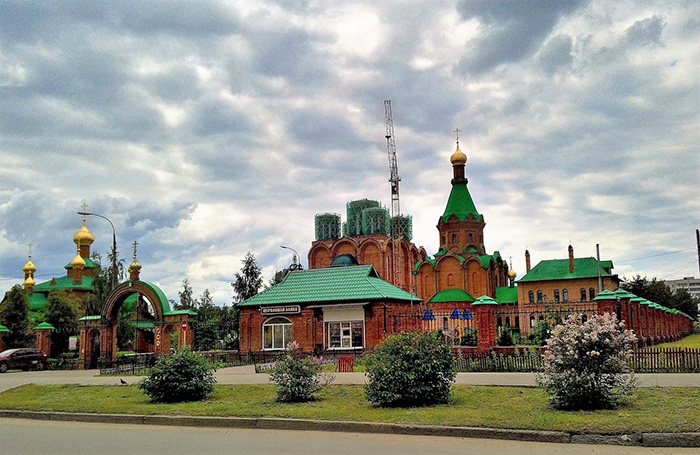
(114, 245)
(294, 265)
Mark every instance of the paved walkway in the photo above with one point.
(246, 375)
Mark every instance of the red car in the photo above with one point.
(24, 358)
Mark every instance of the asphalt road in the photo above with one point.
(35, 437)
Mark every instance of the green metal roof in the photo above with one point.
(44, 326)
(162, 299)
(506, 294)
(332, 285)
(558, 269)
(485, 300)
(37, 301)
(64, 282)
(452, 295)
(460, 204)
(89, 264)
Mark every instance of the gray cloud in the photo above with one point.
(646, 32)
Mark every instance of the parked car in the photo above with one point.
(24, 358)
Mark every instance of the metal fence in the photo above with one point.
(458, 326)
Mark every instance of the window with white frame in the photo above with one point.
(345, 335)
(277, 332)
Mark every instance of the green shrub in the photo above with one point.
(541, 334)
(183, 376)
(506, 337)
(410, 369)
(469, 338)
(298, 377)
(586, 364)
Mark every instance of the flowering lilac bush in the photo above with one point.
(586, 364)
(298, 377)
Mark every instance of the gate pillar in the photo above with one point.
(485, 324)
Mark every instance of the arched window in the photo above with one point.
(591, 293)
(443, 239)
(445, 323)
(565, 295)
(584, 318)
(507, 321)
(471, 238)
(517, 321)
(539, 296)
(454, 238)
(450, 279)
(583, 294)
(277, 332)
(531, 297)
(499, 322)
(533, 321)
(556, 295)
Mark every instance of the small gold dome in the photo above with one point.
(77, 262)
(135, 265)
(458, 157)
(83, 236)
(29, 267)
(29, 281)
(512, 274)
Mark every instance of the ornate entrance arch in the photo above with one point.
(164, 320)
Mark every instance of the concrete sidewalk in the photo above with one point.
(247, 375)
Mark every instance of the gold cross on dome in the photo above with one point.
(135, 244)
(84, 207)
(30, 249)
(457, 131)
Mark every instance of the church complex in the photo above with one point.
(367, 280)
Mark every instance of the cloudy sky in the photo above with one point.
(211, 128)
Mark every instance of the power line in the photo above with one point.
(653, 256)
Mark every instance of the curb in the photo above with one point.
(561, 437)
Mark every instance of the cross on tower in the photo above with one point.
(30, 249)
(135, 244)
(457, 130)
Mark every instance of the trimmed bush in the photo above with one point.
(586, 364)
(298, 377)
(410, 369)
(183, 376)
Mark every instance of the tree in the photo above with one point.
(62, 313)
(187, 300)
(102, 285)
(14, 315)
(683, 301)
(248, 281)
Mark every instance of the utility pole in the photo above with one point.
(697, 240)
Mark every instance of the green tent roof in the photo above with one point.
(452, 295)
(460, 204)
(64, 282)
(333, 285)
(89, 264)
(44, 326)
(558, 269)
(506, 294)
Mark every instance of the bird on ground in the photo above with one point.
(122, 381)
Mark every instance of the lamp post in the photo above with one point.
(114, 245)
(294, 265)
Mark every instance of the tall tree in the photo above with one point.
(14, 315)
(62, 313)
(102, 284)
(187, 300)
(248, 281)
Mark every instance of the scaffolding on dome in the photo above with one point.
(353, 225)
(327, 226)
(375, 221)
(402, 226)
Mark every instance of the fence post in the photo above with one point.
(43, 337)
(485, 325)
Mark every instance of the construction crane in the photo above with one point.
(394, 179)
(393, 165)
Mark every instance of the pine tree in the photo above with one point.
(248, 281)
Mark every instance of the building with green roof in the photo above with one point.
(338, 308)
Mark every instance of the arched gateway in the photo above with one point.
(98, 334)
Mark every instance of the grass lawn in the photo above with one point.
(691, 341)
(656, 409)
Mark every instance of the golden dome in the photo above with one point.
(29, 281)
(83, 236)
(29, 267)
(458, 157)
(77, 262)
(512, 274)
(135, 265)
